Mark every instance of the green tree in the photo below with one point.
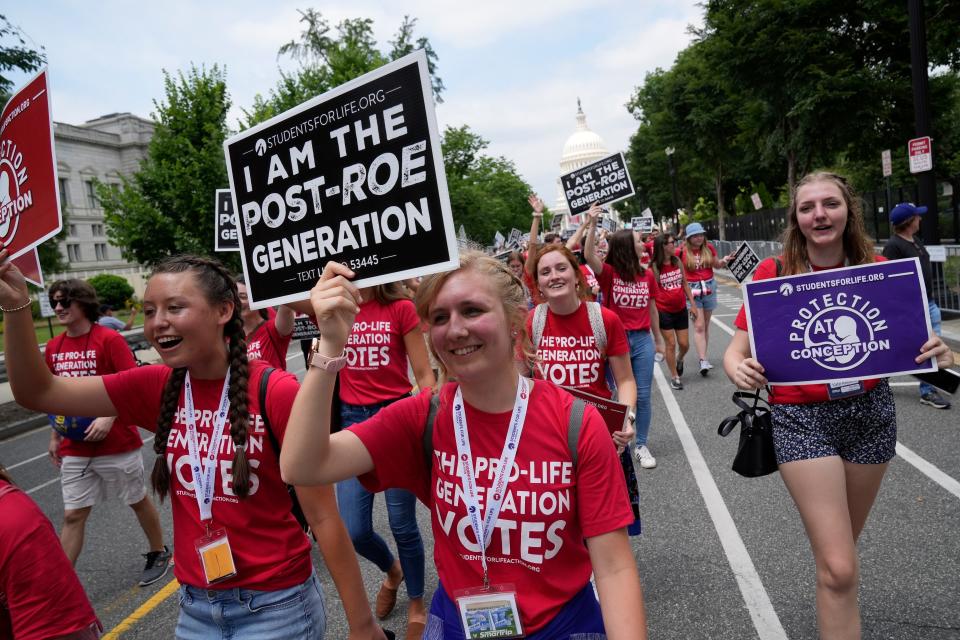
(166, 207)
(111, 289)
(486, 194)
(15, 54)
(328, 60)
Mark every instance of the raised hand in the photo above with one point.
(536, 204)
(335, 301)
(13, 288)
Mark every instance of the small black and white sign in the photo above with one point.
(603, 182)
(354, 175)
(743, 263)
(498, 239)
(225, 225)
(304, 329)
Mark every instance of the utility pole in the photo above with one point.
(926, 181)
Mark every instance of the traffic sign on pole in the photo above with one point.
(887, 162)
(920, 152)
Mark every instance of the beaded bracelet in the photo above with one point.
(20, 308)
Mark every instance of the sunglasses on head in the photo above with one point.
(65, 301)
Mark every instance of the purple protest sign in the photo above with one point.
(860, 322)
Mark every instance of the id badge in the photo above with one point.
(489, 612)
(216, 556)
(839, 389)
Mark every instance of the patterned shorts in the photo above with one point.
(861, 429)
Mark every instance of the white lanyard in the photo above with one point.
(483, 530)
(203, 478)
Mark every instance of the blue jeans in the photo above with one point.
(935, 322)
(246, 614)
(356, 510)
(641, 361)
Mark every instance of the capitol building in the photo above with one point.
(583, 147)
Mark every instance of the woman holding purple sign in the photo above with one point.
(833, 446)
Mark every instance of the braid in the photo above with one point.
(219, 286)
(239, 413)
(160, 478)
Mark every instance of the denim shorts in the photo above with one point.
(293, 613)
(861, 429)
(708, 302)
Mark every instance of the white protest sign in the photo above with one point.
(225, 223)
(498, 239)
(601, 182)
(757, 202)
(646, 224)
(354, 175)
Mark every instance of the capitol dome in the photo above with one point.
(582, 147)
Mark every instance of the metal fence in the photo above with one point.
(946, 275)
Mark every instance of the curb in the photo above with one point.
(22, 426)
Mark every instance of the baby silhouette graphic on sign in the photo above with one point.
(844, 332)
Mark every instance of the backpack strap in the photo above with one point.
(573, 427)
(428, 429)
(539, 322)
(264, 377)
(596, 323)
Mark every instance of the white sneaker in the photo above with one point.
(644, 457)
(705, 366)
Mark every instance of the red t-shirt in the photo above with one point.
(630, 300)
(671, 297)
(98, 352)
(548, 510)
(266, 343)
(269, 548)
(801, 393)
(40, 594)
(697, 273)
(376, 355)
(567, 354)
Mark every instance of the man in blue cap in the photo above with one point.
(904, 243)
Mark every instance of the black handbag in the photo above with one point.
(755, 456)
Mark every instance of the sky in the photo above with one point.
(513, 70)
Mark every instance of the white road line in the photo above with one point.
(929, 470)
(920, 464)
(41, 486)
(28, 460)
(765, 619)
(722, 325)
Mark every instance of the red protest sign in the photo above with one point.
(29, 265)
(29, 199)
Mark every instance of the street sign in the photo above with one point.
(920, 152)
(887, 162)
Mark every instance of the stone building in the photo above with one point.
(102, 149)
(581, 148)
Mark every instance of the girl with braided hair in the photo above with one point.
(242, 560)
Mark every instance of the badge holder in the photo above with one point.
(839, 389)
(489, 612)
(216, 555)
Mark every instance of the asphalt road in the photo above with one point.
(721, 556)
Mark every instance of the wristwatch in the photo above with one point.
(632, 416)
(326, 363)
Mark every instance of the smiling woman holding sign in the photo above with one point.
(242, 560)
(832, 445)
(492, 456)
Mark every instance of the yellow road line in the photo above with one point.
(148, 606)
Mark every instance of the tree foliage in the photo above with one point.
(770, 90)
(486, 194)
(166, 207)
(328, 59)
(111, 289)
(15, 54)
